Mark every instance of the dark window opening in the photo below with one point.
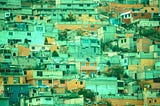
(120, 84)
(67, 66)
(121, 41)
(81, 82)
(39, 73)
(33, 47)
(28, 34)
(88, 5)
(31, 18)
(62, 81)
(50, 81)
(14, 54)
(7, 57)
(41, 18)
(81, 5)
(10, 33)
(69, 5)
(57, 66)
(135, 14)
(90, 15)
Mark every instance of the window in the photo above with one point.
(57, 66)
(104, 28)
(125, 60)
(90, 15)
(7, 57)
(92, 26)
(155, 100)
(156, 80)
(41, 18)
(54, 14)
(10, 33)
(37, 99)
(28, 34)
(80, 15)
(30, 100)
(31, 18)
(40, 28)
(129, 15)
(48, 99)
(67, 66)
(85, 41)
(14, 54)
(94, 41)
(142, 14)
(49, 81)
(23, 17)
(88, 5)
(124, 40)
(5, 80)
(69, 5)
(43, 47)
(152, 8)
(134, 39)
(91, 64)
(83, 64)
(158, 46)
(39, 73)
(121, 41)
(33, 48)
(120, 84)
(145, 10)
(81, 5)
(135, 14)
(16, 80)
(62, 81)
(81, 82)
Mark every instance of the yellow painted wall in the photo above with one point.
(153, 101)
(32, 82)
(18, 18)
(22, 80)
(60, 90)
(75, 84)
(29, 74)
(147, 63)
(133, 67)
(1, 80)
(10, 80)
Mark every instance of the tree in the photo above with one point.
(109, 103)
(87, 93)
(62, 35)
(70, 17)
(116, 71)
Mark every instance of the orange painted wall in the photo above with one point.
(123, 102)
